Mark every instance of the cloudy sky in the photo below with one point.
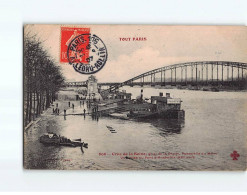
(164, 45)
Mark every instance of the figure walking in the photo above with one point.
(69, 104)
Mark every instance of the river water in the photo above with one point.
(214, 127)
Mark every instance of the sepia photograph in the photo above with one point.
(134, 97)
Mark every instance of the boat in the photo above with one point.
(54, 139)
(155, 107)
(160, 107)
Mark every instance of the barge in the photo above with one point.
(159, 107)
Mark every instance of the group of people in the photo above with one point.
(55, 110)
(95, 109)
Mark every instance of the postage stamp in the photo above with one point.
(68, 34)
(87, 53)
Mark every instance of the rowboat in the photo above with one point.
(54, 139)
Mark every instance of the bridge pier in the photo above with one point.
(212, 72)
(161, 76)
(202, 71)
(238, 73)
(228, 72)
(222, 72)
(186, 74)
(192, 69)
(242, 73)
(175, 75)
(217, 73)
(171, 75)
(196, 72)
(164, 77)
(181, 74)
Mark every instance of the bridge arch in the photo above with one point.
(193, 73)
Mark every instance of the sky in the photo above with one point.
(164, 45)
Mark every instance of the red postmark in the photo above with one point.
(67, 35)
(235, 155)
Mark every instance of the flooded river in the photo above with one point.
(214, 126)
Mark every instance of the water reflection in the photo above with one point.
(167, 126)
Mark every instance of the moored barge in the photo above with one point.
(159, 107)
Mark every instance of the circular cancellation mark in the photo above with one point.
(87, 53)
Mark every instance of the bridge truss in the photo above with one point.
(191, 73)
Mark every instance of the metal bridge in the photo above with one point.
(203, 73)
(191, 73)
(84, 84)
(76, 84)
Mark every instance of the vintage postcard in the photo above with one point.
(134, 97)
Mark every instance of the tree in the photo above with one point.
(42, 78)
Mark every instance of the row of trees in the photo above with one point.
(42, 78)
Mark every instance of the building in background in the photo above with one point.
(92, 89)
